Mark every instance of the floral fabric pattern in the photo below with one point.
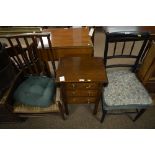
(125, 89)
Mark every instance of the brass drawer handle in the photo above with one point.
(73, 85)
(89, 93)
(74, 99)
(88, 101)
(73, 93)
(89, 86)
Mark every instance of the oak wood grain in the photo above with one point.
(83, 80)
(75, 68)
(71, 42)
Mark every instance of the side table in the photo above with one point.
(81, 80)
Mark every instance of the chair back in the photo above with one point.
(125, 47)
(31, 52)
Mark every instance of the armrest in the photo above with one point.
(15, 83)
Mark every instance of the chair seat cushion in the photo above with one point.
(124, 89)
(35, 91)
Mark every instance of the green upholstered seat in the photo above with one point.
(35, 91)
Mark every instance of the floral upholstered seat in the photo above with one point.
(124, 89)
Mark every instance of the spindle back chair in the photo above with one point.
(32, 61)
(124, 93)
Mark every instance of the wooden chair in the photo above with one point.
(34, 91)
(124, 93)
(6, 70)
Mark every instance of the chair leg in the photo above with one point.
(66, 109)
(103, 115)
(61, 110)
(139, 114)
(95, 108)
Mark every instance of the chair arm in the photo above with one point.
(15, 83)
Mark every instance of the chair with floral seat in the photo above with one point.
(124, 94)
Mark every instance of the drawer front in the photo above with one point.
(72, 100)
(81, 93)
(74, 86)
(72, 52)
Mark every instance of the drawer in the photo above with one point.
(82, 85)
(72, 100)
(73, 52)
(81, 93)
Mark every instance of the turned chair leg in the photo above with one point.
(103, 115)
(66, 109)
(139, 114)
(61, 110)
(95, 108)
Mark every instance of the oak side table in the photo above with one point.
(81, 80)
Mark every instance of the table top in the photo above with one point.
(111, 29)
(82, 69)
(70, 37)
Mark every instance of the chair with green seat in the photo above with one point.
(34, 89)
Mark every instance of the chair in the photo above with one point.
(6, 70)
(124, 94)
(34, 91)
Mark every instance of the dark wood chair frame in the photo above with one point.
(29, 60)
(125, 37)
